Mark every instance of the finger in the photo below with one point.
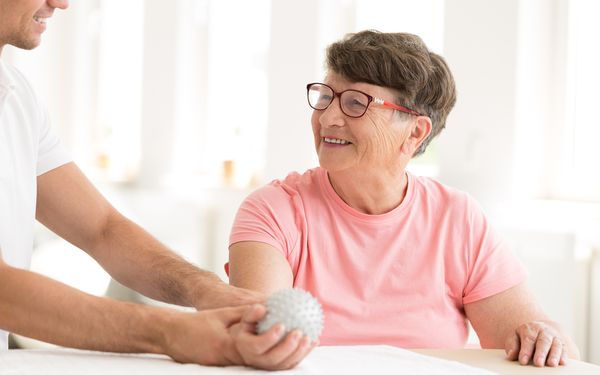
(232, 355)
(527, 337)
(254, 313)
(230, 315)
(251, 315)
(542, 347)
(556, 352)
(304, 348)
(251, 344)
(563, 357)
(512, 346)
(284, 349)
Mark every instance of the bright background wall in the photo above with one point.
(178, 109)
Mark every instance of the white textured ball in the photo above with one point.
(295, 309)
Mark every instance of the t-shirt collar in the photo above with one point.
(6, 80)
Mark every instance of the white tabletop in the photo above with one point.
(349, 360)
(495, 360)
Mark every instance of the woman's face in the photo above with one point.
(373, 141)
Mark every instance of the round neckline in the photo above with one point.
(367, 218)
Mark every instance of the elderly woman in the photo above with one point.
(394, 258)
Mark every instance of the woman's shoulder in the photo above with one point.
(293, 185)
(433, 190)
(306, 178)
(296, 182)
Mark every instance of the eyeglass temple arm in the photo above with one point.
(396, 106)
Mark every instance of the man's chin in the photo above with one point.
(27, 44)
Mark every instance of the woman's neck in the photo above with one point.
(372, 193)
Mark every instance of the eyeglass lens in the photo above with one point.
(353, 103)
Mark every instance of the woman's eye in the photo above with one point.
(324, 98)
(356, 103)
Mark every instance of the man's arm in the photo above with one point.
(69, 205)
(36, 306)
(258, 266)
(514, 321)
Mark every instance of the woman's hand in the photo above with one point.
(514, 321)
(536, 340)
(270, 350)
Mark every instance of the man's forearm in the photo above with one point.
(35, 306)
(70, 206)
(139, 261)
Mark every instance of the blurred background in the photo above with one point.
(177, 110)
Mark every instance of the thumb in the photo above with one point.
(512, 346)
(230, 315)
(254, 313)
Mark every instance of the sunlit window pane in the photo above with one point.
(120, 69)
(582, 181)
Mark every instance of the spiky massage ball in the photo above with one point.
(295, 309)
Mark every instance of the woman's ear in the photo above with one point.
(420, 130)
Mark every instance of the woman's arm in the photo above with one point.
(258, 266)
(514, 321)
(261, 267)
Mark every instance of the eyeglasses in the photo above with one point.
(353, 103)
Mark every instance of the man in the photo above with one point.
(38, 180)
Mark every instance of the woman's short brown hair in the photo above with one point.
(402, 62)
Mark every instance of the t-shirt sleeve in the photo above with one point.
(267, 216)
(51, 152)
(492, 266)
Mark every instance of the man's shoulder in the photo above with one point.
(10, 75)
(12, 78)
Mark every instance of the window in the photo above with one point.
(117, 125)
(236, 96)
(579, 172)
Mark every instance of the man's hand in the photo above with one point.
(538, 341)
(203, 337)
(227, 336)
(219, 294)
(269, 350)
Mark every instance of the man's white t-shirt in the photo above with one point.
(27, 149)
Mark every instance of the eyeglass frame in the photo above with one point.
(370, 98)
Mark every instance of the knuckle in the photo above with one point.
(528, 337)
(544, 340)
(523, 330)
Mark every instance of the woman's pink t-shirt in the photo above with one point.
(401, 278)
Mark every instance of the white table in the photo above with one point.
(494, 360)
(379, 360)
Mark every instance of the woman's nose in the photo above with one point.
(332, 115)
